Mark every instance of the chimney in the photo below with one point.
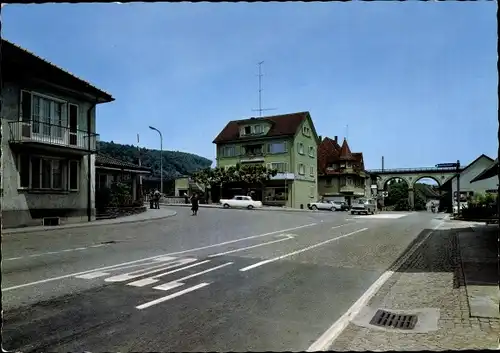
(336, 139)
(320, 138)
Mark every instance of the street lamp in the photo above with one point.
(161, 158)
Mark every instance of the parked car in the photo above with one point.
(241, 202)
(324, 205)
(365, 206)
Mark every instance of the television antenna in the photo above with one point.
(260, 110)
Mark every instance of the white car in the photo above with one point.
(325, 205)
(241, 202)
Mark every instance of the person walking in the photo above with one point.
(194, 204)
(157, 199)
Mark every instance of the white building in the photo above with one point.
(48, 141)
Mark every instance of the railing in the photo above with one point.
(412, 170)
(353, 189)
(51, 134)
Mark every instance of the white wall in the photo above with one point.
(470, 173)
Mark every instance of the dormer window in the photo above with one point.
(248, 130)
(253, 130)
(258, 129)
(306, 131)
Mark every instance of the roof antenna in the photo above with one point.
(260, 110)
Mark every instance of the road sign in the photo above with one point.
(446, 165)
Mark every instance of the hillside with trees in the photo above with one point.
(398, 195)
(175, 164)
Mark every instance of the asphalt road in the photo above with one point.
(225, 280)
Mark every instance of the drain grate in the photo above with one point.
(109, 242)
(390, 320)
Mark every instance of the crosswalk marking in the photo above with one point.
(171, 296)
(125, 277)
(93, 275)
(168, 286)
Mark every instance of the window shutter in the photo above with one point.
(285, 145)
(25, 106)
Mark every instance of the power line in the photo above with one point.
(260, 75)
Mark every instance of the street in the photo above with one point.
(225, 280)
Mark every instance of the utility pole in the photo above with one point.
(260, 110)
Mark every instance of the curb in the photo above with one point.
(13, 231)
(244, 209)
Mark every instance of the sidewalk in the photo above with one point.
(149, 215)
(431, 285)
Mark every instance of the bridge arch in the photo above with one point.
(433, 177)
(384, 181)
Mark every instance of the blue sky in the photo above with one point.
(415, 82)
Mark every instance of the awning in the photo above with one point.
(489, 172)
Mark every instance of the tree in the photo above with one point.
(397, 191)
(247, 174)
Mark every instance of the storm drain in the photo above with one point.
(390, 320)
(108, 242)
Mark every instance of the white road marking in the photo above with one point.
(341, 225)
(171, 296)
(288, 237)
(131, 275)
(299, 251)
(93, 275)
(51, 279)
(168, 286)
(53, 252)
(326, 340)
(143, 282)
(383, 216)
(154, 279)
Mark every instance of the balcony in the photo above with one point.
(351, 189)
(252, 156)
(52, 138)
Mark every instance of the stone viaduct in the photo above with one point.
(411, 176)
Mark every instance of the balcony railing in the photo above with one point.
(352, 188)
(51, 134)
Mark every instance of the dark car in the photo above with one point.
(344, 206)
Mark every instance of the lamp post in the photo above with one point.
(161, 158)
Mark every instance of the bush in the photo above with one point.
(103, 198)
(121, 195)
(402, 205)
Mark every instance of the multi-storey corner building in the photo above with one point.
(48, 142)
(341, 173)
(287, 143)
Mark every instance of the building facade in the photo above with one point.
(287, 143)
(341, 173)
(49, 141)
(469, 187)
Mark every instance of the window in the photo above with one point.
(328, 181)
(47, 173)
(258, 129)
(311, 170)
(281, 167)
(306, 131)
(248, 130)
(48, 115)
(73, 175)
(228, 151)
(277, 147)
(311, 151)
(302, 169)
(300, 148)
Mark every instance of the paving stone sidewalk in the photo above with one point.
(432, 278)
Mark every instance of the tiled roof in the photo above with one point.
(345, 152)
(330, 152)
(107, 161)
(281, 125)
(14, 53)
